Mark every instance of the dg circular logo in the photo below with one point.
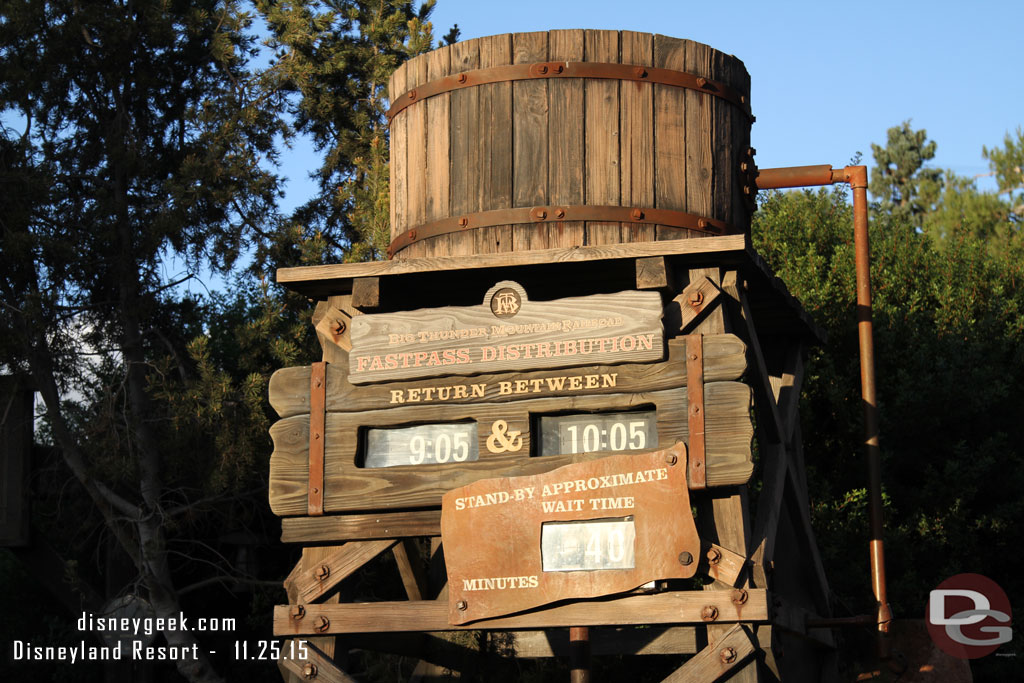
(968, 616)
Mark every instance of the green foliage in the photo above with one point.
(1007, 165)
(336, 58)
(949, 334)
(900, 181)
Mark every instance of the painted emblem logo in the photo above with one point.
(506, 302)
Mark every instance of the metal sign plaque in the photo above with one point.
(580, 531)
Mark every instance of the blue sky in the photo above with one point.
(828, 79)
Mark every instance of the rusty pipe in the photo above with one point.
(579, 654)
(857, 178)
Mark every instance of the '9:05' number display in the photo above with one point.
(422, 444)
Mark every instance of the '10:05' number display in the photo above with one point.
(592, 432)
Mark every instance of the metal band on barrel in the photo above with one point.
(598, 70)
(559, 214)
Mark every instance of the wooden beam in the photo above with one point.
(304, 279)
(333, 528)
(315, 666)
(366, 293)
(653, 272)
(655, 640)
(314, 578)
(679, 607)
(718, 659)
(410, 567)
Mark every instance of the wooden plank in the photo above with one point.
(565, 138)
(670, 135)
(653, 272)
(495, 157)
(366, 293)
(438, 161)
(530, 139)
(724, 359)
(295, 277)
(637, 135)
(717, 660)
(410, 568)
(465, 138)
(699, 120)
(465, 340)
(310, 581)
(398, 158)
(602, 135)
(349, 487)
(382, 525)
(315, 666)
(655, 640)
(416, 127)
(698, 296)
(680, 607)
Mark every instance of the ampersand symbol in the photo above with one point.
(502, 439)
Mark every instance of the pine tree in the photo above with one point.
(900, 180)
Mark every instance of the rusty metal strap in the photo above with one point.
(695, 408)
(599, 70)
(317, 434)
(559, 214)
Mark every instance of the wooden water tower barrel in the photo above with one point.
(567, 138)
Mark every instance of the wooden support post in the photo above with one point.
(366, 293)
(653, 272)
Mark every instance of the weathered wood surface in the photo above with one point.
(315, 577)
(656, 640)
(724, 359)
(718, 660)
(679, 607)
(567, 141)
(316, 666)
(349, 487)
(601, 328)
(385, 525)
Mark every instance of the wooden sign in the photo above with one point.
(507, 332)
(580, 531)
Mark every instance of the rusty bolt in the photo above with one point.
(322, 624)
(339, 327)
(322, 572)
(559, 213)
(539, 214)
(685, 559)
(751, 151)
(558, 69)
(701, 82)
(671, 459)
(709, 613)
(693, 356)
(461, 605)
(739, 596)
(714, 555)
(412, 234)
(636, 214)
(412, 94)
(728, 655)
(696, 410)
(543, 69)
(746, 189)
(463, 221)
(309, 671)
(640, 72)
(696, 299)
(702, 224)
(298, 611)
(744, 166)
(462, 78)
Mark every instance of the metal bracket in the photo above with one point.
(317, 435)
(695, 409)
(557, 214)
(595, 70)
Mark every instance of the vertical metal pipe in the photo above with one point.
(858, 181)
(579, 654)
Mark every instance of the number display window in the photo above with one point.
(593, 432)
(588, 545)
(422, 445)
